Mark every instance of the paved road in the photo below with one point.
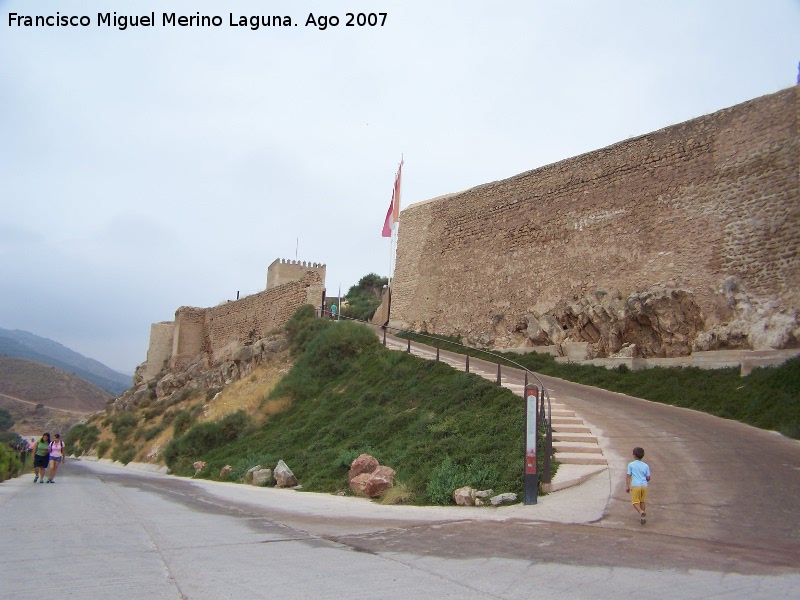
(108, 532)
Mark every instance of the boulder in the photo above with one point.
(380, 480)
(363, 464)
(359, 482)
(507, 498)
(284, 476)
(261, 477)
(225, 471)
(199, 465)
(464, 496)
(373, 484)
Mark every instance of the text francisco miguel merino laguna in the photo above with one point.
(253, 22)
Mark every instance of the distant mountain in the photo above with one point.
(23, 344)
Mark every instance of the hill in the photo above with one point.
(43, 398)
(33, 382)
(22, 344)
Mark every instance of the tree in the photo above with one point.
(364, 297)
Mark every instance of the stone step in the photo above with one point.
(574, 437)
(586, 447)
(580, 458)
(562, 413)
(555, 420)
(570, 475)
(571, 429)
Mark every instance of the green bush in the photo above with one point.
(449, 476)
(364, 297)
(303, 327)
(80, 439)
(10, 464)
(123, 425)
(181, 421)
(102, 448)
(123, 454)
(184, 450)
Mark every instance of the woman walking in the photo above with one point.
(56, 457)
(41, 458)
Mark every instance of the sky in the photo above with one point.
(156, 167)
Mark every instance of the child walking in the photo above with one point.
(636, 483)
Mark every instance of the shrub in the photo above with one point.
(102, 448)
(80, 439)
(181, 421)
(364, 297)
(183, 450)
(445, 478)
(449, 476)
(10, 464)
(123, 454)
(124, 425)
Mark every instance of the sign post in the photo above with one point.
(531, 439)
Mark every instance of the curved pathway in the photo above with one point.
(713, 479)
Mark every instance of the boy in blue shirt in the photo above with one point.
(636, 483)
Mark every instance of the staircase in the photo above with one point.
(575, 447)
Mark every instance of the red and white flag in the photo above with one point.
(393, 214)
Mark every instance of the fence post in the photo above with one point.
(384, 336)
(498, 374)
(548, 451)
(467, 371)
(437, 353)
(409, 345)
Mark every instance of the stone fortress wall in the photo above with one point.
(706, 212)
(283, 271)
(213, 335)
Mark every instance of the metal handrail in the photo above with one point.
(546, 418)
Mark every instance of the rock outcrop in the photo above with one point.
(201, 375)
(659, 322)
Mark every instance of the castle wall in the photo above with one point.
(214, 334)
(282, 271)
(160, 349)
(189, 340)
(235, 324)
(686, 206)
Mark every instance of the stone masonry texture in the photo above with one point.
(213, 335)
(689, 206)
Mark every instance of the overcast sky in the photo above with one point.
(152, 168)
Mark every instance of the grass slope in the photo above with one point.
(438, 428)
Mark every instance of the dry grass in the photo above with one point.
(249, 394)
(399, 494)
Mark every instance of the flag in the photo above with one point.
(393, 214)
(387, 224)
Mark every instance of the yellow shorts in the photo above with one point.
(638, 494)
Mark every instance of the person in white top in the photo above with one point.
(56, 457)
